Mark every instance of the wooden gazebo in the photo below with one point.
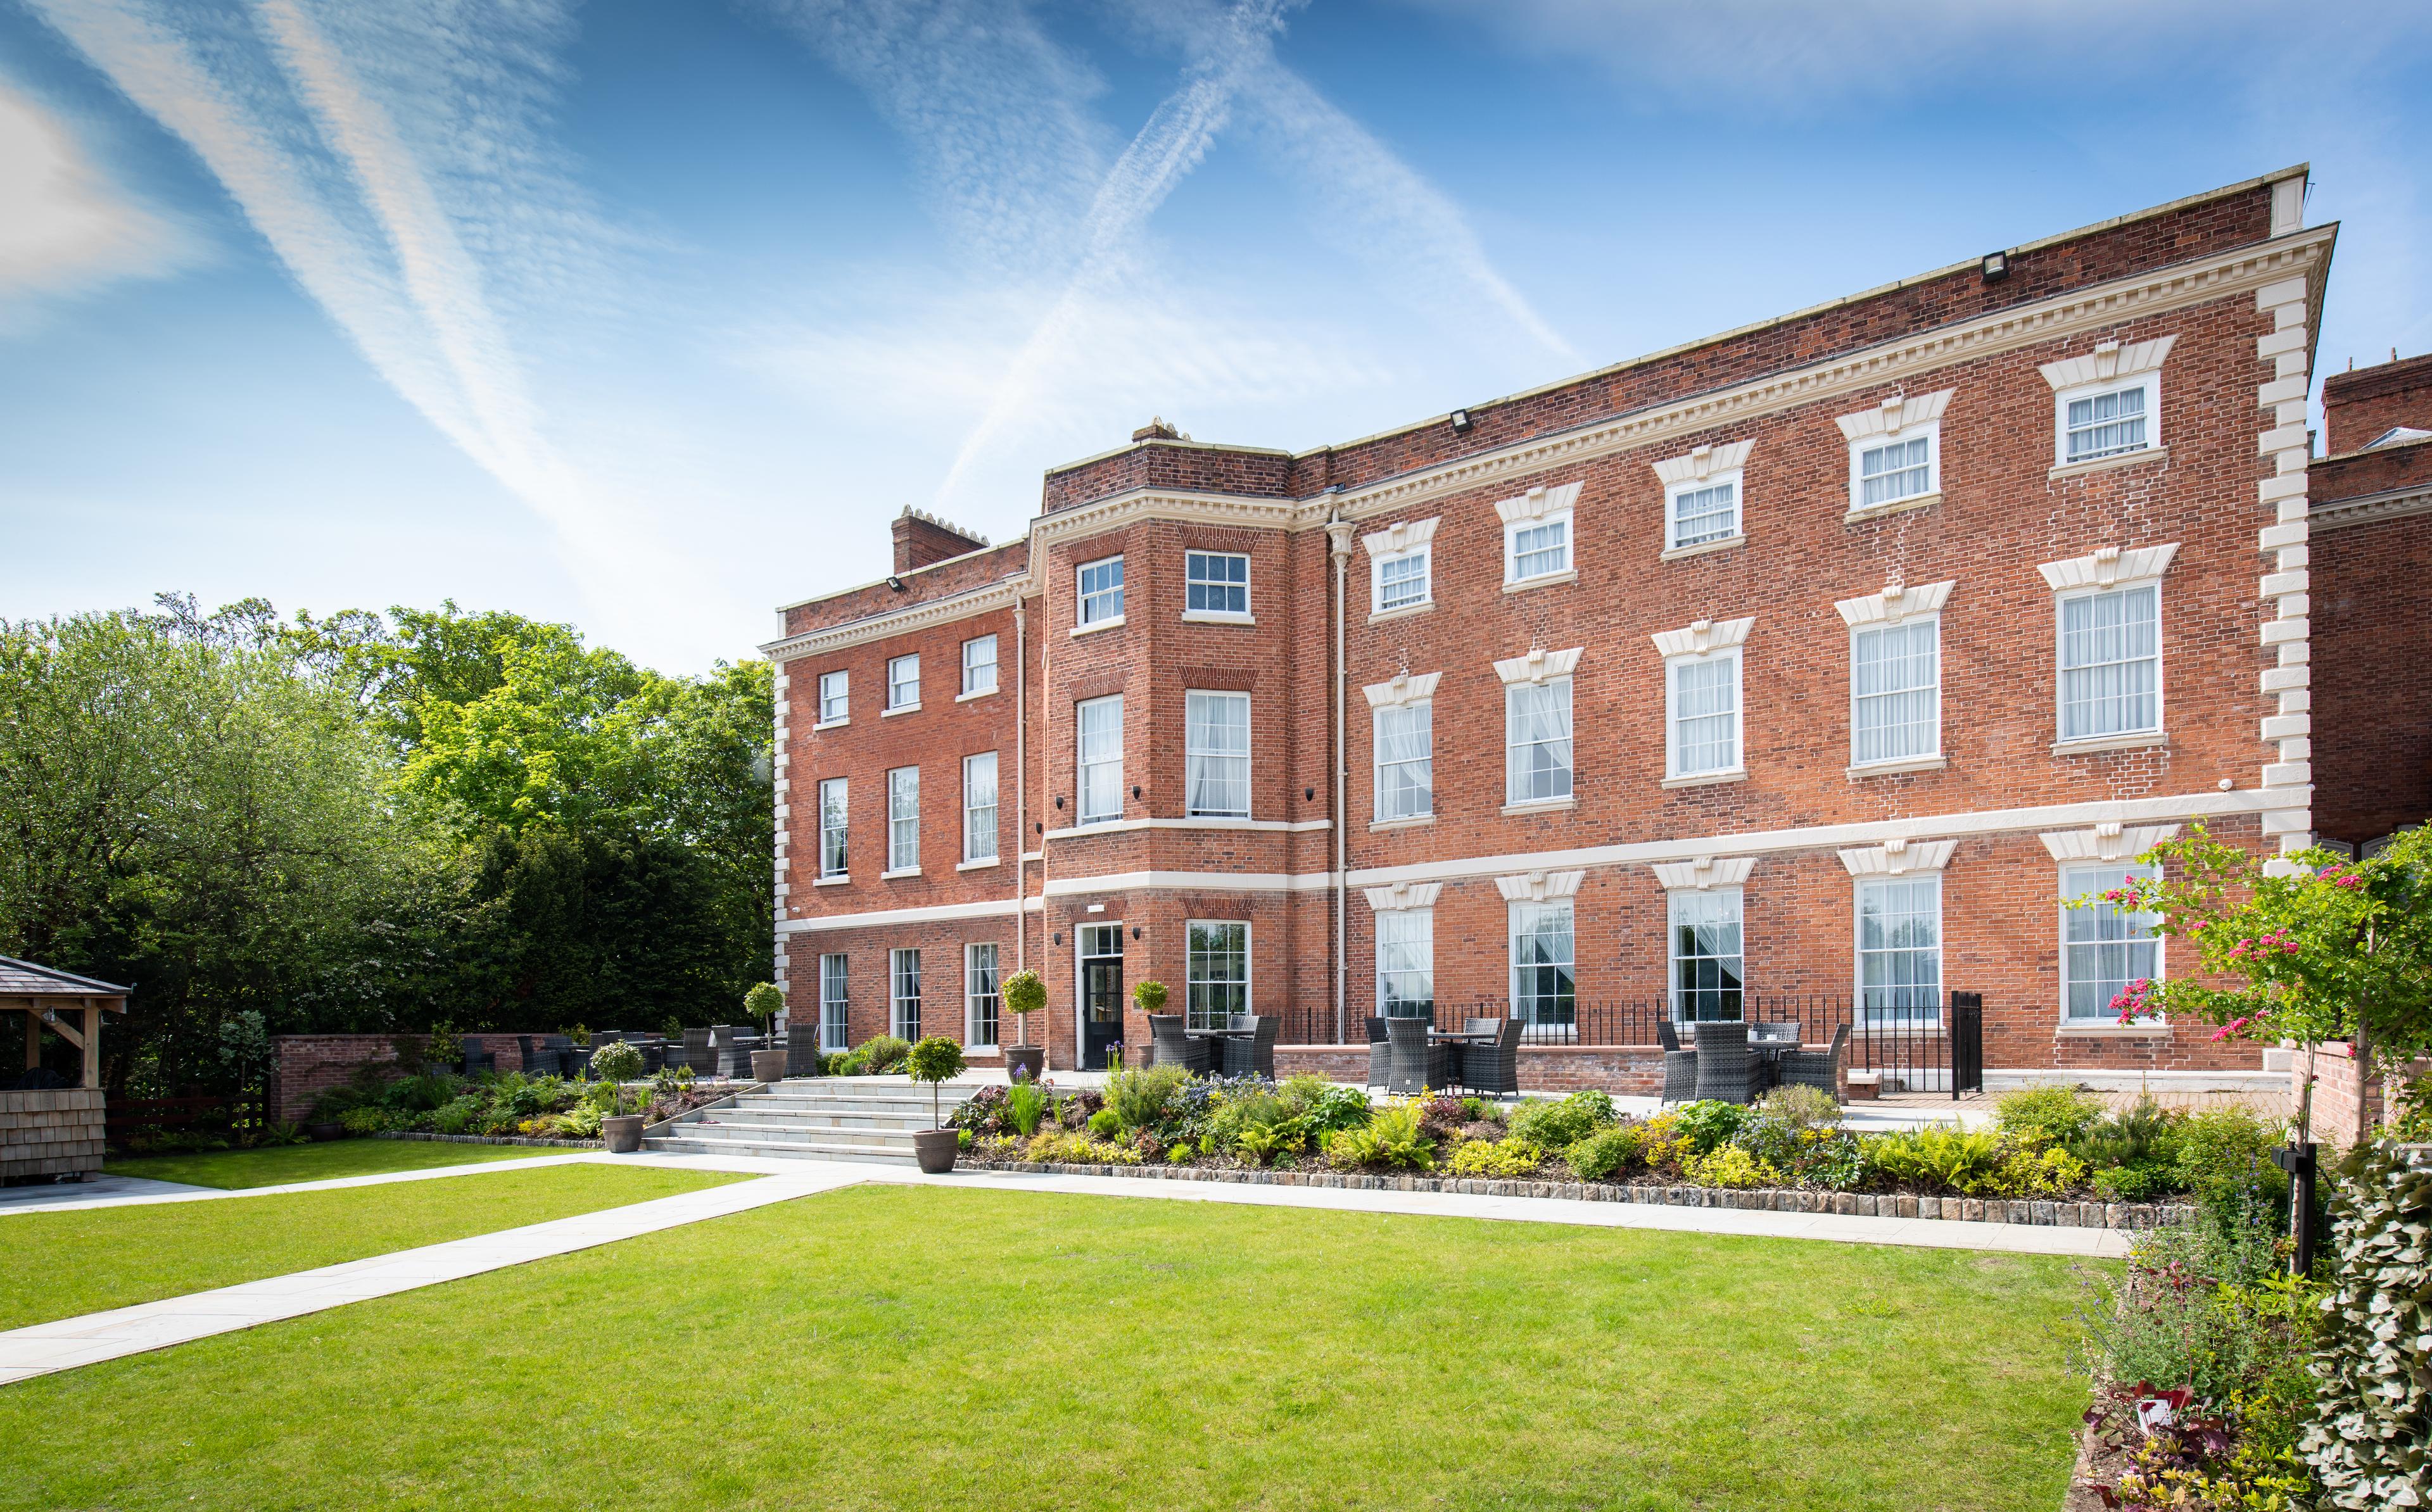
(54, 1133)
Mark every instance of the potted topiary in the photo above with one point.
(762, 1004)
(934, 1060)
(1150, 996)
(1024, 995)
(612, 1067)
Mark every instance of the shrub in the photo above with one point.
(1025, 1103)
(2037, 1173)
(2374, 1366)
(1698, 1127)
(2132, 1183)
(1496, 1157)
(581, 1122)
(443, 1045)
(1731, 1166)
(619, 1062)
(1605, 1153)
(1079, 1150)
(420, 1094)
(764, 1002)
(2038, 1116)
(1939, 1158)
(1105, 1124)
(1328, 1108)
(367, 1120)
(1390, 1138)
(2226, 1154)
(1145, 1099)
(881, 1053)
(1022, 994)
(1150, 996)
(457, 1116)
(2146, 1136)
(1800, 1108)
(1560, 1125)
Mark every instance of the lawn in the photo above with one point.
(892, 1347)
(276, 1166)
(64, 1264)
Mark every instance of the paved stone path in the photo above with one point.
(43, 1348)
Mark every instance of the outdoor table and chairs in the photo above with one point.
(1734, 1061)
(1244, 1047)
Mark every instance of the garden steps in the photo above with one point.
(827, 1118)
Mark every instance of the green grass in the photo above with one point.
(276, 1166)
(66, 1264)
(890, 1347)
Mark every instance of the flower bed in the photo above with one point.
(2054, 1156)
(505, 1105)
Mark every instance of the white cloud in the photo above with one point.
(63, 225)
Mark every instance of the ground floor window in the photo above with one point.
(1219, 972)
(1543, 988)
(2102, 949)
(1707, 969)
(835, 1031)
(1406, 961)
(1900, 950)
(903, 973)
(980, 997)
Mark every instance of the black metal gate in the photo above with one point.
(1967, 1043)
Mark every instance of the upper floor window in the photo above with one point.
(979, 807)
(903, 682)
(1703, 713)
(2111, 663)
(835, 701)
(2108, 420)
(1895, 691)
(1216, 754)
(1537, 726)
(1896, 451)
(903, 820)
(1537, 534)
(1216, 582)
(1894, 470)
(1700, 512)
(1709, 970)
(1100, 723)
(1400, 566)
(1406, 768)
(832, 827)
(1101, 591)
(2103, 946)
(979, 665)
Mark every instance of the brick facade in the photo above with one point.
(2222, 287)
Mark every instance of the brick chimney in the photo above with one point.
(1157, 430)
(2364, 403)
(921, 538)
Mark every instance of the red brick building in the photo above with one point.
(1808, 667)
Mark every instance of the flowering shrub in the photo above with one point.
(1496, 1157)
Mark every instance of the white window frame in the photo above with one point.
(1934, 750)
(897, 682)
(840, 831)
(1412, 930)
(1569, 568)
(1083, 766)
(1403, 541)
(2148, 380)
(2061, 670)
(1569, 782)
(981, 1030)
(1101, 608)
(838, 697)
(973, 688)
(1672, 770)
(1927, 1018)
(1196, 757)
(836, 1002)
(1194, 1015)
(898, 1023)
(1735, 480)
(1929, 432)
(1190, 583)
(902, 822)
(1423, 710)
(2116, 872)
(1516, 911)
(1679, 901)
(977, 830)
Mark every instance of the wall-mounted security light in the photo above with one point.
(895, 582)
(1461, 422)
(1997, 266)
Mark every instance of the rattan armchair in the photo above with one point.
(1726, 1071)
(1818, 1069)
(1169, 1043)
(1680, 1075)
(1492, 1066)
(1250, 1051)
(1380, 1054)
(1418, 1062)
(803, 1049)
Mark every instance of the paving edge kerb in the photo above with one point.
(2035, 1212)
(422, 1138)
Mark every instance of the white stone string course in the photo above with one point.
(66, 1343)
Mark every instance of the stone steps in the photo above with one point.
(826, 1119)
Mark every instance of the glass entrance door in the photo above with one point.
(1102, 992)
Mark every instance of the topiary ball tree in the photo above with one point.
(763, 1003)
(617, 1063)
(934, 1060)
(1023, 993)
(1150, 996)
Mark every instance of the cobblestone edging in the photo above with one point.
(491, 1139)
(1763, 1199)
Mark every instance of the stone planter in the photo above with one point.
(623, 1133)
(1862, 1086)
(767, 1065)
(321, 1133)
(1025, 1062)
(937, 1149)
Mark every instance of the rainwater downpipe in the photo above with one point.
(1338, 532)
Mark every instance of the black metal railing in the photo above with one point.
(1928, 1048)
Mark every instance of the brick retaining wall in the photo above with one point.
(305, 1066)
(56, 1133)
(1632, 1070)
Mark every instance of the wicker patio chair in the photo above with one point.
(802, 1050)
(1680, 1075)
(1666, 1036)
(1418, 1064)
(1818, 1069)
(1380, 1054)
(476, 1057)
(696, 1052)
(1492, 1069)
(1253, 1052)
(1726, 1071)
(1779, 1032)
(1170, 1044)
(730, 1048)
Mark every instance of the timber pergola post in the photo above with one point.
(70, 1004)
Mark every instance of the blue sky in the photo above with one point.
(648, 317)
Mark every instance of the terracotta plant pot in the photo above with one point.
(623, 1133)
(321, 1133)
(767, 1065)
(937, 1149)
(1025, 1062)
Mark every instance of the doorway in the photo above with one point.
(1102, 992)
